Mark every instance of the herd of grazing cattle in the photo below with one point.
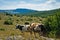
(33, 27)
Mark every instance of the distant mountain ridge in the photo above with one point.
(14, 11)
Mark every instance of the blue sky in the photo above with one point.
(30, 4)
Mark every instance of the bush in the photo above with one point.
(2, 29)
(8, 22)
(17, 20)
(52, 34)
(26, 23)
(18, 15)
(29, 19)
(9, 14)
(52, 25)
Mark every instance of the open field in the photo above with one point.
(10, 30)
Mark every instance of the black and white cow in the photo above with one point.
(22, 27)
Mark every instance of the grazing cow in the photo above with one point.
(33, 28)
(36, 28)
(22, 27)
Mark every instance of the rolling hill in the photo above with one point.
(20, 11)
(30, 12)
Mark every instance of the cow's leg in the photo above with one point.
(35, 35)
(30, 33)
(40, 33)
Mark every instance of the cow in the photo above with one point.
(22, 27)
(37, 28)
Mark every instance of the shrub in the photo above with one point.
(17, 20)
(26, 23)
(29, 19)
(52, 34)
(8, 22)
(9, 14)
(18, 15)
(2, 29)
(52, 25)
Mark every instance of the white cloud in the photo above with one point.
(43, 6)
(50, 1)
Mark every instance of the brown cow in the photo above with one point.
(36, 28)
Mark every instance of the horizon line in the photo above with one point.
(30, 9)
